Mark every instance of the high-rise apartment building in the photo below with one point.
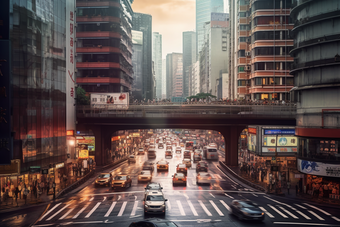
(157, 59)
(137, 63)
(143, 23)
(164, 82)
(189, 57)
(204, 8)
(104, 46)
(261, 61)
(174, 75)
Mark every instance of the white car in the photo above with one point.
(187, 162)
(203, 178)
(145, 175)
(132, 159)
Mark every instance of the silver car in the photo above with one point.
(203, 178)
(154, 202)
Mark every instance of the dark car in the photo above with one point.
(181, 168)
(160, 146)
(197, 157)
(168, 153)
(187, 154)
(148, 166)
(154, 222)
(201, 166)
(246, 210)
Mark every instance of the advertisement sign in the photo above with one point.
(252, 130)
(70, 56)
(286, 141)
(268, 149)
(252, 142)
(83, 154)
(279, 131)
(269, 141)
(318, 168)
(110, 101)
(12, 169)
(34, 169)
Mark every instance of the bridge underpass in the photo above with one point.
(104, 125)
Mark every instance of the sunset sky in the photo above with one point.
(170, 18)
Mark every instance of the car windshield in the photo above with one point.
(145, 173)
(179, 175)
(120, 178)
(162, 163)
(104, 176)
(166, 224)
(153, 186)
(154, 198)
(247, 204)
(212, 150)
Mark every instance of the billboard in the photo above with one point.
(286, 141)
(318, 168)
(110, 101)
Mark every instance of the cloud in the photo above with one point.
(170, 18)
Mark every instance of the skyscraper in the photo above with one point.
(137, 62)
(189, 57)
(157, 59)
(174, 75)
(143, 23)
(204, 8)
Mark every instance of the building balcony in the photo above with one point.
(101, 80)
(243, 46)
(268, 43)
(97, 4)
(270, 73)
(244, 8)
(98, 34)
(97, 65)
(242, 76)
(81, 19)
(269, 89)
(271, 58)
(270, 12)
(98, 49)
(243, 33)
(243, 20)
(271, 27)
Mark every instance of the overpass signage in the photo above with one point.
(279, 131)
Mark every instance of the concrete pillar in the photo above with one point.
(102, 145)
(231, 135)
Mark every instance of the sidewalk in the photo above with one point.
(292, 193)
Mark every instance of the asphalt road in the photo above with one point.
(203, 205)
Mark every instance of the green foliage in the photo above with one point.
(201, 96)
(82, 99)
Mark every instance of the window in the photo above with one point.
(241, 68)
(242, 83)
(288, 81)
(243, 39)
(258, 81)
(241, 53)
(244, 27)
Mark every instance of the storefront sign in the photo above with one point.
(83, 154)
(279, 131)
(12, 169)
(286, 141)
(318, 168)
(252, 130)
(269, 141)
(59, 165)
(115, 138)
(34, 169)
(135, 134)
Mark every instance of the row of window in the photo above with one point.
(270, 35)
(259, 81)
(92, 12)
(267, 66)
(274, 4)
(265, 51)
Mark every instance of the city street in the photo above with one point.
(186, 206)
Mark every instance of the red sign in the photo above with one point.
(252, 130)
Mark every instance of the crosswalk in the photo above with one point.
(202, 207)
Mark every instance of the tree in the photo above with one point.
(82, 99)
(201, 96)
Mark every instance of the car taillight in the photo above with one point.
(186, 168)
(177, 169)
(209, 178)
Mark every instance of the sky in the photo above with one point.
(170, 18)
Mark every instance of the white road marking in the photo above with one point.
(267, 213)
(228, 196)
(335, 218)
(93, 210)
(110, 209)
(306, 224)
(91, 199)
(81, 211)
(233, 186)
(225, 205)
(212, 195)
(277, 211)
(315, 215)
(48, 212)
(104, 199)
(288, 212)
(58, 212)
(255, 195)
(67, 213)
(119, 197)
(192, 208)
(168, 205)
(216, 208)
(193, 182)
(316, 208)
(122, 209)
(300, 206)
(218, 176)
(180, 208)
(204, 208)
(133, 212)
(186, 196)
(226, 175)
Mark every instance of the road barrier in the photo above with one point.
(334, 196)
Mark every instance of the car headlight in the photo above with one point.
(245, 213)
(146, 206)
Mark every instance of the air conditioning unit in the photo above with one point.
(247, 67)
(248, 53)
(76, 70)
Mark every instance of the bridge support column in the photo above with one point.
(231, 135)
(102, 145)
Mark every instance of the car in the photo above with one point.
(181, 144)
(141, 151)
(203, 178)
(168, 153)
(181, 168)
(160, 146)
(154, 202)
(103, 179)
(153, 223)
(178, 150)
(187, 162)
(187, 154)
(121, 181)
(152, 147)
(246, 210)
(148, 166)
(197, 157)
(162, 165)
(168, 147)
(174, 143)
(144, 175)
(179, 178)
(152, 186)
(132, 159)
(152, 154)
(201, 166)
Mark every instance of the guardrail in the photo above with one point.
(235, 175)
